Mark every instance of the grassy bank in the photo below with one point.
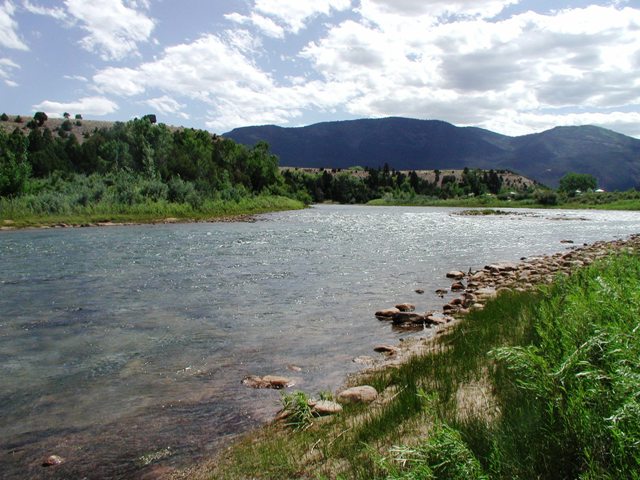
(28, 212)
(540, 384)
(629, 200)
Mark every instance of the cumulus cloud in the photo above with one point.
(396, 58)
(9, 37)
(470, 69)
(85, 106)
(113, 29)
(218, 73)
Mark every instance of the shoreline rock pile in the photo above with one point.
(475, 288)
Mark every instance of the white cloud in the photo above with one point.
(294, 14)
(114, 30)
(219, 74)
(435, 8)
(167, 105)
(85, 106)
(6, 65)
(6, 69)
(9, 37)
(264, 24)
(56, 12)
(505, 74)
(78, 78)
(627, 123)
(469, 70)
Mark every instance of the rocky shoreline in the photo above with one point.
(8, 225)
(473, 289)
(469, 291)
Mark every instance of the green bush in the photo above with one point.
(546, 197)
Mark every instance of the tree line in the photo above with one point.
(154, 152)
(346, 187)
(142, 161)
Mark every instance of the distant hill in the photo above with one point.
(408, 144)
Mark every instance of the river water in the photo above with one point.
(123, 348)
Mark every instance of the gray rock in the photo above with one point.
(361, 394)
(326, 407)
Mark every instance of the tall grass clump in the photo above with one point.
(563, 386)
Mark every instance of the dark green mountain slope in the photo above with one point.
(407, 144)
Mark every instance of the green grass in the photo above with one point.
(537, 385)
(595, 201)
(18, 213)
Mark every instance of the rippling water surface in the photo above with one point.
(123, 344)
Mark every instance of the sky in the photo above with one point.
(512, 66)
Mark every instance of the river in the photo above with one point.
(123, 348)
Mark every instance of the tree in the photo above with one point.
(66, 125)
(40, 118)
(66, 115)
(18, 119)
(4, 117)
(14, 169)
(572, 182)
(78, 116)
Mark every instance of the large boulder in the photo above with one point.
(361, 394)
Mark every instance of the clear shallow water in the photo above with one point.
(124, 341)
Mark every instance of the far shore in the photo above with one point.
(481, 205)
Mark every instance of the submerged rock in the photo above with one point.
(407, 317)
(268, 381)
(386, 313)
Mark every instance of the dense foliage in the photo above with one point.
(357, 185)
(573, 182)
(132, 167)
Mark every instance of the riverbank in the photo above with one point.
(605, 201)
(13, 217)
(481, 399)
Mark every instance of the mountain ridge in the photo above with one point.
(411, 144)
